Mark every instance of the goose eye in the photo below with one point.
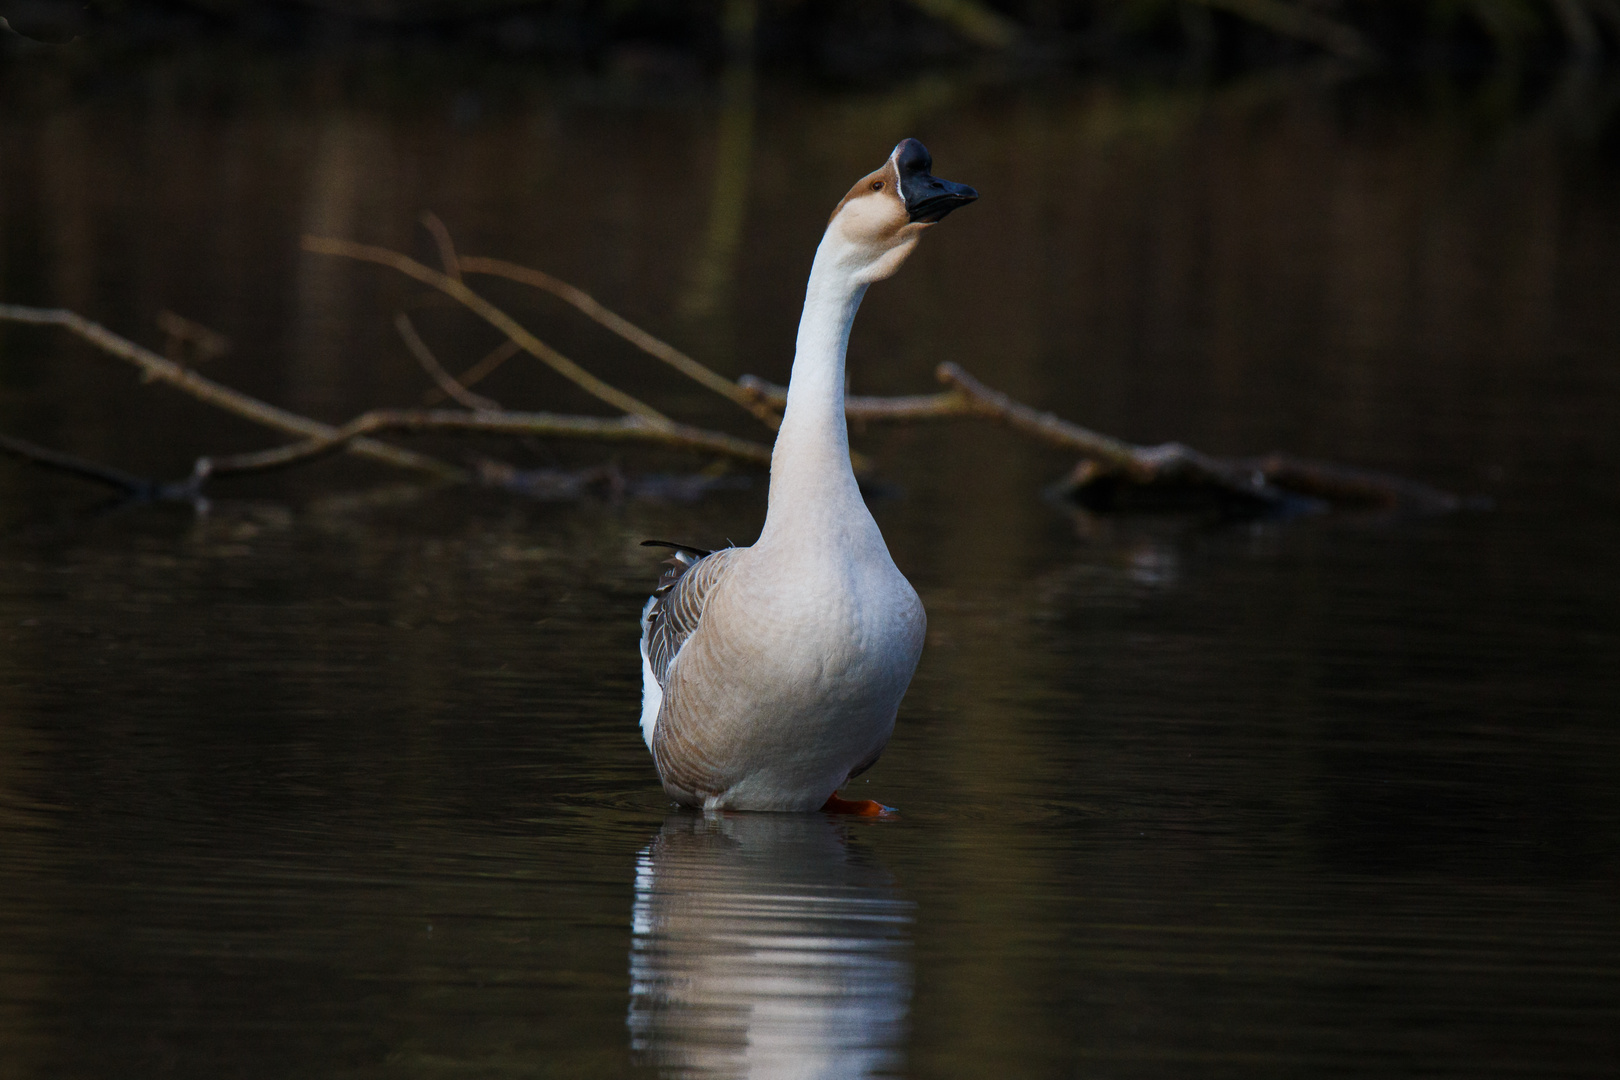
(877, 185)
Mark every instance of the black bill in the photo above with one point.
(927, 197)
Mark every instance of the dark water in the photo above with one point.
(344, 778)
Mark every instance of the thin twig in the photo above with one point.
(322, 245)
(557, 425)
(979, 23)
(618, 324)
(480, 371)
(154, 367)
(430, 364)
(441, 238)
(1296, 20)
(1048, 428)
(205, 343)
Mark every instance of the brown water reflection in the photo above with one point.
(345, 778)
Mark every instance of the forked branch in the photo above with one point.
(500, 320)
(321, 439)
(445, 381)
(161, 369)
(655, 347)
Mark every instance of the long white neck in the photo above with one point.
(813, 489)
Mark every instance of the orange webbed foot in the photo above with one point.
(857, 807)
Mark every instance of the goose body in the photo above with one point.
(771, 674)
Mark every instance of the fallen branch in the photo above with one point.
(1110, 469)
(629, 331)
(647, 343)
(446, 382)
(324, 245)
(323, 439)
(476, 374)
(1271, 482)
(968, 397)
(1344, 486)
(1168, 463)
(554, 425)
(441, 240)
(206, 344)
(157, 368)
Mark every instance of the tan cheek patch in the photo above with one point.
(864, 187)
(894, 218)
(873, 220)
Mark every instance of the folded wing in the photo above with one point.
(671, 616)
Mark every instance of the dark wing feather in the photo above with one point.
(695, 552)
(676, 606)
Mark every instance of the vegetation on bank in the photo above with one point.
(866, 38)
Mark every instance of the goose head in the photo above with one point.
(880, 220)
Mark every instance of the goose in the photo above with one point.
(771, 674)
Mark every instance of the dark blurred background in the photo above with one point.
(878, 39)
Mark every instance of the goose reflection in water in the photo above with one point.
(767, 946)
